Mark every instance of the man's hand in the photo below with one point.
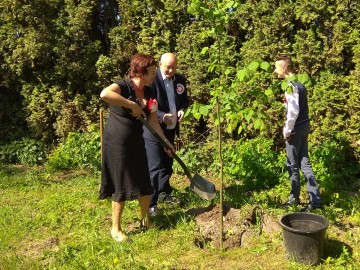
(288, 138)
(168, 119)
(181, 115)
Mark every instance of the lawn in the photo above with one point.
(55, 221)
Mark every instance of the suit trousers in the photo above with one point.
(160, 166)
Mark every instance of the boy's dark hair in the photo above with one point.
(288, 62)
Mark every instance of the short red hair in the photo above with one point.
(140, 63)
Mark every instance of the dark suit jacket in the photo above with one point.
(181, 98)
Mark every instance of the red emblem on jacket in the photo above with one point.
(152, 105)
(180, 88)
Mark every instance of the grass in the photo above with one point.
(55, 221)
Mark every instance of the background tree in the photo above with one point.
(57, 55)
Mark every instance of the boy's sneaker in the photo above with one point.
(311, 206)
(291, 202)
(154, 211)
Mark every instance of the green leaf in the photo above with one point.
(248, 115)
(265, 66)
(292, 78)
(254, 65)
(289, 89)
(204, 50)
(211, 68)
(269, 92)
(304, 79)
(228, 129)
(286, 87)
(258, 123)
(219, 29)
(263, 127)
(193, 8)
(241, 74)
(197, 115)
(204, 110)
(230, 4)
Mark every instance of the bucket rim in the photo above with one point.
(287, 228)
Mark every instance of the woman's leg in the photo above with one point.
(144, 202)
(116, 231)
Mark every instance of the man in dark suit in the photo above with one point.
(172, 101)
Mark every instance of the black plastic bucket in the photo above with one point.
(304, 235)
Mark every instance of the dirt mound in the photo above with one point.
(239, 225)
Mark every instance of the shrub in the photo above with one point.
(26, 151)
(197, 157)
(80, 150)
(334, 165)
(253, 162)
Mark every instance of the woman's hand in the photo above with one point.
(136, 111)
(154, 123)
(170, 150)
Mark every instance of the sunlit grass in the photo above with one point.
(55, 221)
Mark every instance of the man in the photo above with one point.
(172, 101)
(296, 131)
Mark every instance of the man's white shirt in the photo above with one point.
(169, 86)
(292, 110)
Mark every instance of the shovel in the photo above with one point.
(201, 186)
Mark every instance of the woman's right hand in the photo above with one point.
(136, 111)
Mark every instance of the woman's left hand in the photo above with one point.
(169, 150)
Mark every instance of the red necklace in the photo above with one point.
(136, 87)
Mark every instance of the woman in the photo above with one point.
(125, 174)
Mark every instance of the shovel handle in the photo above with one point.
(163, 143)
(167, 147)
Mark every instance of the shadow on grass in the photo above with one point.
(335, 249)
(170, 215)
(13, 169)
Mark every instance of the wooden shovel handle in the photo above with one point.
(101, 130)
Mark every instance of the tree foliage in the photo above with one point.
(57, 55)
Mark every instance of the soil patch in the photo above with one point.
(240, 226)
(36, 249)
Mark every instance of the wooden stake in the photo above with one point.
(101, 131)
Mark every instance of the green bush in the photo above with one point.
(26, 151)
(333, 163)
(80, 150)
(197, 157)
(253, 162)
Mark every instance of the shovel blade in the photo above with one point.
(203, 187)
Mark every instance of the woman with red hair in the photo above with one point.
(125, 173)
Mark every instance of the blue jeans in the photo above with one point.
(297, 158)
